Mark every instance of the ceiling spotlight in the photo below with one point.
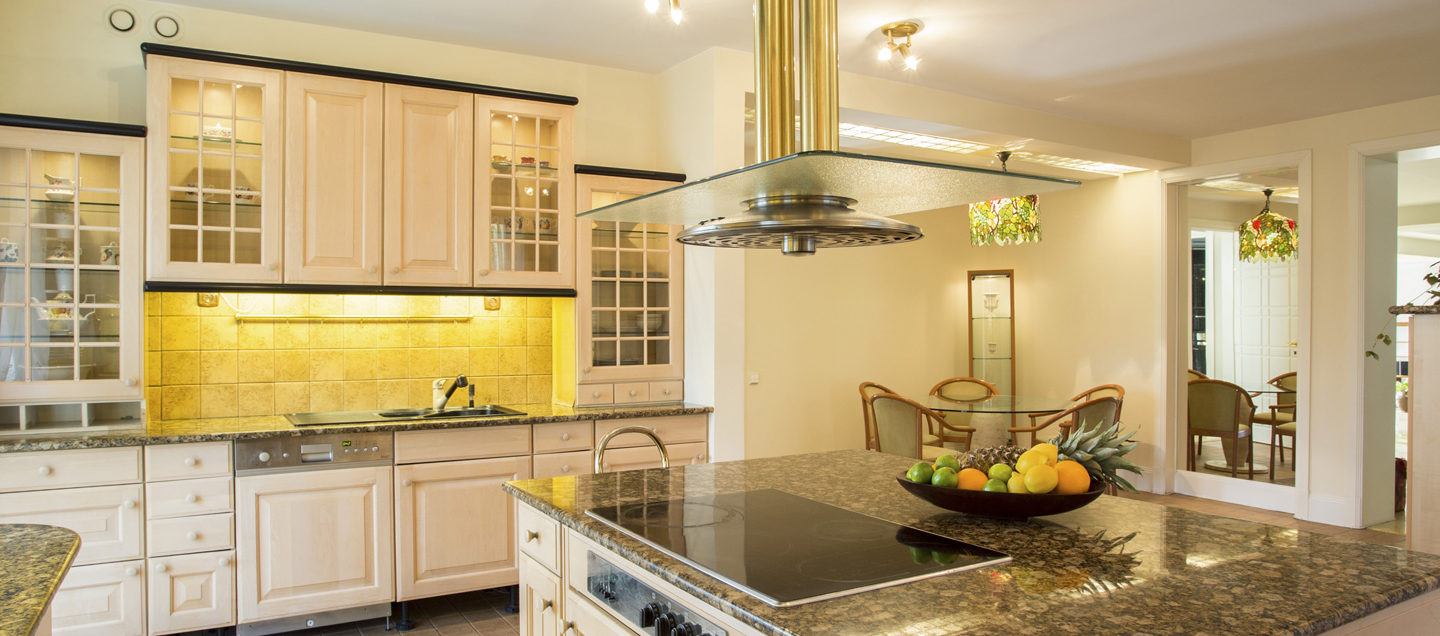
(652, 6)
(676, 15)
(898, 41)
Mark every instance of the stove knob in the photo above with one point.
(263, 456)
(648, 614)
(665, 623)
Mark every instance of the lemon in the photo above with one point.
(1017, 484)
(1073, 478)
(1030, 459)
(1041, 479)
(1001, 472)
(920, 473)
(1051, 453)
(972, 479)
(947, 461)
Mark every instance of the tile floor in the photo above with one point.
(1270, 517)
(469, 614)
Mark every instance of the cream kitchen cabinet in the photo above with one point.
(107, 599)
(216, 179)
(524, 204)
(454, 526)
(334, 154)
(192, 592)
(429, 163)
(539, 599)
(337, 526)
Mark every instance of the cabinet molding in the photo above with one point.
(429, 151)
(414, 290)
(629, 173)
(72, 125)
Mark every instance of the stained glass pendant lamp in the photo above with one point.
(1007, 221)
(1269, 237)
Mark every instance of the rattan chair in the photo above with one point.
(1193, 375)
(1280, 416)
(1219, 409)
(1101, 390)
(901, 425)
(1105, 410)
(869, 390)
(955, 428)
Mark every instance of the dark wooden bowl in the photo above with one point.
(1001, 505)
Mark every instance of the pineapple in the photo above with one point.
(984, 458)
(1101, 451)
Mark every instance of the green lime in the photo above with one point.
(944, 477)
(994, 485)
(920, 556)
(948, 461)
(1001, 472)
(944, 558)
(920, 473)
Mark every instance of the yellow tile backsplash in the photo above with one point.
(203, 362)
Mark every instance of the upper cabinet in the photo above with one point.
(429, 154)
(334, 150)
(524, 207)
(215, 171)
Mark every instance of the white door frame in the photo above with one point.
(1175, 259)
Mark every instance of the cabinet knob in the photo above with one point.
(405, 483)
(699, 459)
(372, 269)
(45, 471)
(565, 468)
(263, 456)
(564, 437)
(129, 503)
(531, 536)
(192, 498)
(665, 391)
(224, 562)
(130, 382)
(191, 461)
(192, 535)
(547, 605)
(483, 272)
(634, 392)
(274, 267)
(131, 571)
(569, 627)
(161, 567)
(394, 270)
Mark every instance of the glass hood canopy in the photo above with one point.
(883, 186)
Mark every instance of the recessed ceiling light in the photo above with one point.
(1071, 163)
(914, 140)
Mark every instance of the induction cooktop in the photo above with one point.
(787, 550)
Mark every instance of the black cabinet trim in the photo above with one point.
(72, 125)
(291, 288)
(151, 48)
(632, 173)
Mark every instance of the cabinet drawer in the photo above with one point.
(583, 617)
(189, 497)
(192, 592)
(108, 518)
(632, 392)
(676, 429)
(43, 470)
(465, 443)
(568, 436)
(561, 464)
(594, 394)
(187, 461)
(101, 599)
(673, 391)
(190, 534)
(539, 537)
(642, 457)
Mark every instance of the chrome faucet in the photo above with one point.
(605, 441)
(459, 382)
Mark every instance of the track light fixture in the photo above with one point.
(676, 14)
(898, 41)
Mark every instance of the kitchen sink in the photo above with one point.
(398, 415)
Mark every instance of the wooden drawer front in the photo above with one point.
(187, 461)
(692, 453)
(583, 617)
(191, 592)
(594, 394)
(539, 537)
(672, 430)
(667, 391)
(540, 601)
(641, 457)
(42, 470)
(101, 599)
(562, 464)
(191, 534)
(569, 436)
(107, 518)
(465, 443)
(189, 497)
(632, 392)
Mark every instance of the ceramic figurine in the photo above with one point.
(110, 254)
(9, 251)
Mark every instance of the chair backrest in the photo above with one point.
(869, 390)
(1218, 407)
(1104, 411)
(1287, 382)
(963, 389)
(1196, 375)
(1103, 390)
(899, 424)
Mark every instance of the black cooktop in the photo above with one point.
(787, 550)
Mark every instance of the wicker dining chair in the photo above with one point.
(1100, 390)
(1193, 375)
(901, 426)
(1219, 409)
(1280, 416)
(956, 428)
(1105, 410)
(868, 390)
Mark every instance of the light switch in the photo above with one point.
(207, 300)
(492, 303)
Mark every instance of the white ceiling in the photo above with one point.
(1419, 181)
(1185, 68)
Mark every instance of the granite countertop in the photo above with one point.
(1182, 572)
(33, 561)
(1400, 310)
(230, 428)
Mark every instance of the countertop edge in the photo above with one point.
(55, 579)
(1391, 598)
(1417, 310)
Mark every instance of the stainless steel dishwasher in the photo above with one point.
(314, 538)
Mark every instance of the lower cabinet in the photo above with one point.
(315, 541)
(539, 599)
(109, 519)
(106, 599)
(455, 526)
(640, 457)
(190, 592)
(583, 617)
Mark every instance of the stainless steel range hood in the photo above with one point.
(816, 197)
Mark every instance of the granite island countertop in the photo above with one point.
(1181, 572)
(231, 428)
(33, 562)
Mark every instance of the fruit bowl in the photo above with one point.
(1001, 505)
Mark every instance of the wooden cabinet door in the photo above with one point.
(109, 519)
(539, 599)
(429, 150)
(334, 150)
(524, 200)
(455, 526)
(106, 599)
(191, 592)
(314, 541)
(642, 457)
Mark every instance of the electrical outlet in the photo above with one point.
(492, 303)
(207, 300)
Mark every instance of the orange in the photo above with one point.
(973, 479)
(1074, 479)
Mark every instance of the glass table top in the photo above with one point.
(1001, 404)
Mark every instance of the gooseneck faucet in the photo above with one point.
(605, 441)
(459, 382)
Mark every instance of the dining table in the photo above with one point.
(992, 417)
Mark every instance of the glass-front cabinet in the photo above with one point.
(524, 205)
(70, 228)
(992, 328)
(629, 313)
(215, 150)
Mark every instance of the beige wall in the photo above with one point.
(70, 63)
(1085, 303)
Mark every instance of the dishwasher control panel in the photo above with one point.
(307, 451)
(645, 609)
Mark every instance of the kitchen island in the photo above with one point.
(1117, 565)
(33, 561)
